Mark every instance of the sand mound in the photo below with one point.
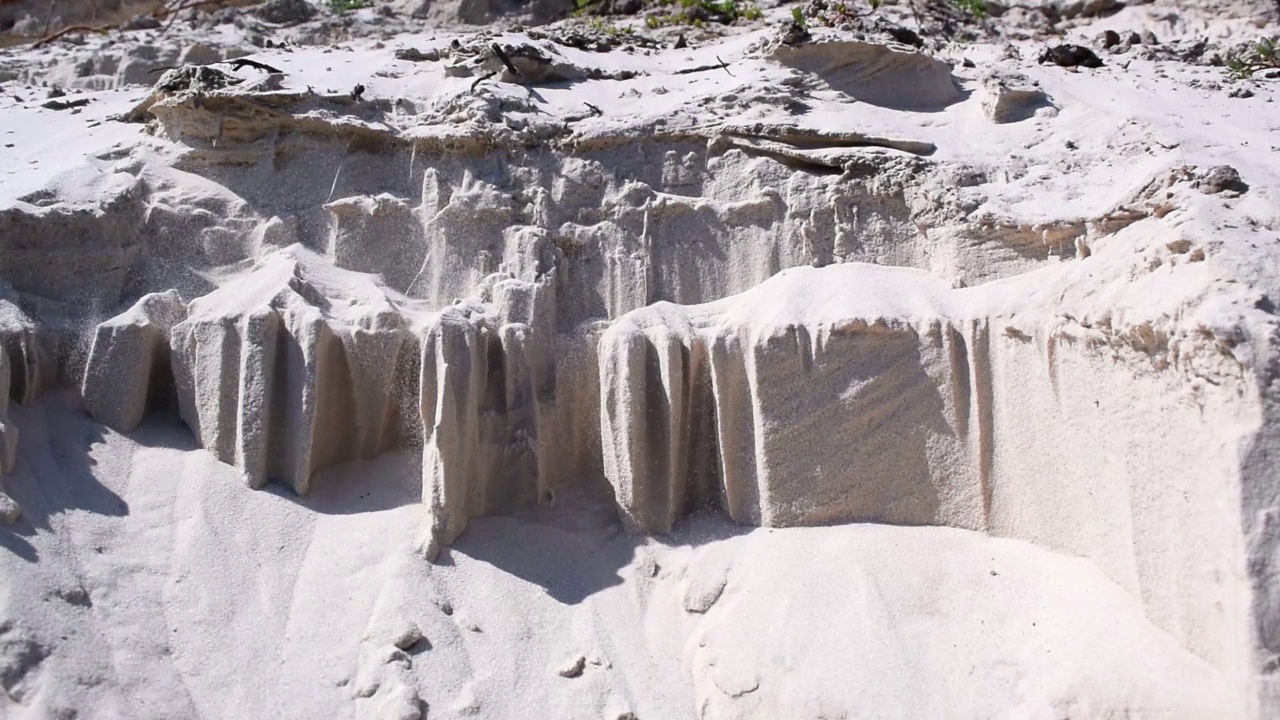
(315, 356)
(890, 76)
(129, 366)
(856, 441)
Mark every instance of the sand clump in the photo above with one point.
(311, 364)
(129, 365)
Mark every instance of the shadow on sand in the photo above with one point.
(54, 473)
(576, 549)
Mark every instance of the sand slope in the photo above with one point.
(162, 586)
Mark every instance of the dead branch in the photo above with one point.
(171, 10)
(240, 63)
(48, 18)
(481, 79)
(497, 50)
(703, 68)
(71, 30)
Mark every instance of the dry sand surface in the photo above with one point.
(465, 359)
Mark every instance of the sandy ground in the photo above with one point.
(1026, 472)
(167, 589)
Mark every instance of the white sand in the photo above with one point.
(743, 380)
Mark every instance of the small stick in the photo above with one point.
(703, 68)
(236, 64)
(481, 79)
(48, 19)
(497, 50)
(172, 19)
(239, 63)
(165, 12)
(69, 30)
(179, 6)
(172, 13)
(593, 108)
(334, 186)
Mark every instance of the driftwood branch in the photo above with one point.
(703, 68)
(71, 30)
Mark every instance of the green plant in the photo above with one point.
(341, 6)
(831, 13)
(599, 25)
(975, 8)
(1261, 57)
(582, 7)
(697, 12)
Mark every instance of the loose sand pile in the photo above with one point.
(870, 367)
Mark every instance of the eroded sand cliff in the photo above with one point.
(984, 347)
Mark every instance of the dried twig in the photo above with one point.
(497, 50)
(172, 14)
(236, 64)
(171, 10)
(481, 79)
(703, 68)
(69, 30)
(189, 5)
(334, 187)
(241, 63)
(48, 19)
